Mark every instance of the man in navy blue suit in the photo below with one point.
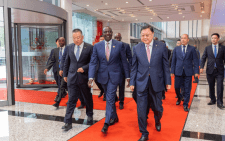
(149, 74)
(183, 62)
(110, 54)
(75, 73)
(215, 54)
(118, 37)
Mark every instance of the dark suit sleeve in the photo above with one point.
(129, 55)
(166, 68)
(51, 62)
(63, 58)
(170, 59)
(86, 67)
(66, 65)
(204, 57)
(196, 61)
(173, 63)
(93, 63)
(133, 72)
(124, 61)
(50, 56)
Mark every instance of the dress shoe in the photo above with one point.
(220, 106)
(211, 103)
(178, 101)
(81, 106)
(101, 93)
(163, 97)
(90, 119)
(158, 126)
(56, 105)
(56, 98)
(121, 106)
(143, 138)
(104, 99)
(113, 121)
(117, 99)
(182, 99)
(186, 109)
(67, 126)
(105, 128)
(176, 96)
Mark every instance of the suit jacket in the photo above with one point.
(158, 68)
(219, 59)
(109, 69)
(128, 55)
(71, 65)
(186, 63)
(54, 65)
(54, 60)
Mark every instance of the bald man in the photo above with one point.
(118, 37)
(184, 63)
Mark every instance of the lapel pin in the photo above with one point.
(113, 46)
(84, 47)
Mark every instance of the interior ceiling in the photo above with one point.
(23, 16)
(144, 10)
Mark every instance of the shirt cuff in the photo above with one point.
(90, 79)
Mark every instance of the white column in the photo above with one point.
(67, 5)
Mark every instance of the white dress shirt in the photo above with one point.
(185, 48)
(81, 48)
(150, 47)
(213, 48)
(62, 49)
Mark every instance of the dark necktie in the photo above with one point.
(78, 53)
(215, 53)
(60, 56)
(184, 51)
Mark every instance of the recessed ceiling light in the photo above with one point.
(183, 16)
(127, 2)
(150, 0)
(200, 15)
(203, 11)
(122, 19)
(136, 19)
(180, 12)
(108, 20)
(87, 5)
(151, 18)
(106, 3)
(168, 17)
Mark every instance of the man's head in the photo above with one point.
(101, 38)
(195, 45)
(215, 37)
(118, 37)
(147, 34)
(163, 41)
(77, 37)
(61, 41)
(178, 42)
(107, 33)
(184, 39)
(57, 42)
(155, 38)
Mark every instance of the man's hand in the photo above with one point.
(132, 88)
(168, 87)
(172, 75)
(65, 79)
(61, 73)
(196, 75)
(201, 70)
(45, 71)
(80, 70)
(90, 82)
(128, 81)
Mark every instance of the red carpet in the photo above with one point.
(127, 128)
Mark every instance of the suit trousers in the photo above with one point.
(62, 88)
(56, 77)
(99, 86)
(187, 80)
(74, 92)
(110, 93)
(212, 78)
(121, 90)
(143, 100)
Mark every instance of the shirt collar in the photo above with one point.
(62, 47)
(151, 44)
(217, 45)
(110, 42)
(81, 45)
(185, 45)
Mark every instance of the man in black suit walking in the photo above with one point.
(215, 69)
(75, 73)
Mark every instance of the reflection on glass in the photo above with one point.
(4, 130)
(37, 43)
(3, 90)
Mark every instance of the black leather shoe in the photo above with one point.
(220, 106)
(158, 126)
(90, 119)
(163, 97)
(186, 109)
(67, 126)
(117, 99)
(113, 121)
(56, 98)
(105, 128)
(211, 103)
(81, 106)
(121, 106)
(104, 99)
(143, 138)
(176, 96)
(178, 102)
(101, 93)
(56, 105)
(182, 99)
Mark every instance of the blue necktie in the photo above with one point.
(183, 51)
(60, 56)
(215, 53)
(78, 53)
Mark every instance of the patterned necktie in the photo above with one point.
(215, 53)
(107, 53)
(184, 51)
(148, 53)
(60, 56)
(78, 53)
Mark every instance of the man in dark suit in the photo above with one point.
(183, 62)
(56, 59)
(128, 54)
(149, 74)
(215, 54)
(109, 53)
(75, 73)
